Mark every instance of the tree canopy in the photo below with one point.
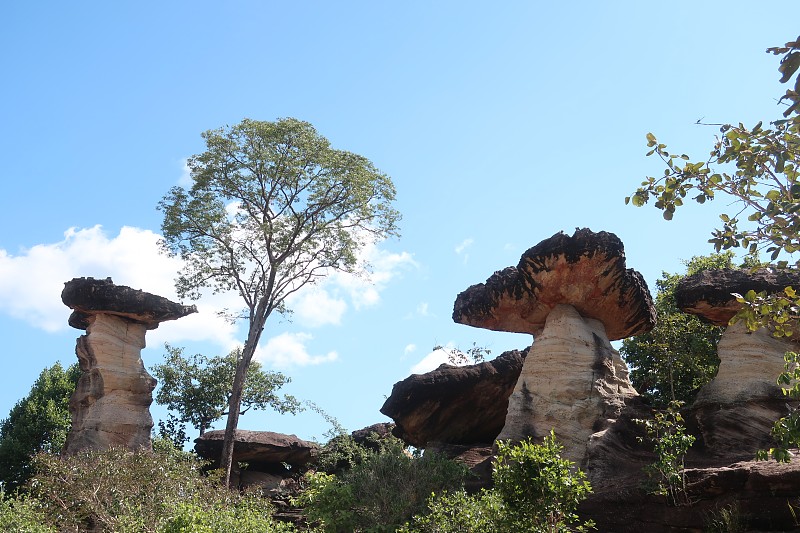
(198, 388)
(272, 208)
(679, 355)
(37, 423)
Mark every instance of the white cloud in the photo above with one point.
(313, 307)
(289, 349)
(430, 362)
(31, 282)
(409, 349)
(422, 309)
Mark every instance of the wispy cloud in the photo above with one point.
(289, 350)
(462, 248)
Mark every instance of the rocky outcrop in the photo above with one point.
(756, 496)
(110, 406)
(735, 412)
(454, 404)
(573, 294)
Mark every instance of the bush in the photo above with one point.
(22, 515)
(534, 490)
(123, 491)
(380, 493)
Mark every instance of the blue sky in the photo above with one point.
(499, 126)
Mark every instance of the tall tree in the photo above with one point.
(679, 355)
(759, 169)
(272, 208)
(37, 423)
(198, 388)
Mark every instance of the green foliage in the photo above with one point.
(380, 493)
(342, 452)
(726, 519)
(759, 169)
(37, 423)
(459, 512)
(534, 490)
(272, 208)
(679, 355)
(540, 491)
(670, 442)
(199, 388)
(21, 514)
(123, 491)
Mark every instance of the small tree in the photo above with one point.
(679, 354)
(37, 423)
(271, 209)
(198, 388)
(759, 169)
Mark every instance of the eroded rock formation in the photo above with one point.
(574, 295)
(454, 405)
(111, 404)
(735, 412)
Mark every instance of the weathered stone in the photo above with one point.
(452, 404)
(371, 435)
(709, 293)
(257, 447)
(110, 406)
(586, 271)
(735, 412)
(573, 381)
(573, 294)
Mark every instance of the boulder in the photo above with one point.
(573, 294)
(110, 406)
(259, 448)
(454, 404)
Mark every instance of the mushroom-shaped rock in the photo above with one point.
(462, 405)
(735, 412)
(586, 271)
(573, 294)
(110, 406)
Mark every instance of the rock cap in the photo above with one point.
(90, 296)
(709, 294)
(586, 271)
(257, 446)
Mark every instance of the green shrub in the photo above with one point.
(380, 493)
(121, 491)
(534, 490)
(22, 515)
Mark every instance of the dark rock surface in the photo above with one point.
(88, 296)
(257, 447)
(456, 405)
(585, 270)
(709, 293)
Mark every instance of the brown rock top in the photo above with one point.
(709, 294)
(89, 296)
(586, 271)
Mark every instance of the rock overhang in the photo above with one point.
(90, 296)
(586, 270)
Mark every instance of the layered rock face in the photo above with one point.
(574, 294)
(576, 384)
(735, 412)
(454, 405)
(110, 406)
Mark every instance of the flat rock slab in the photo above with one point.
(90, 296)
(709, 294)
(257, 447)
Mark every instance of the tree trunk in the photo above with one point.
(253, 336)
